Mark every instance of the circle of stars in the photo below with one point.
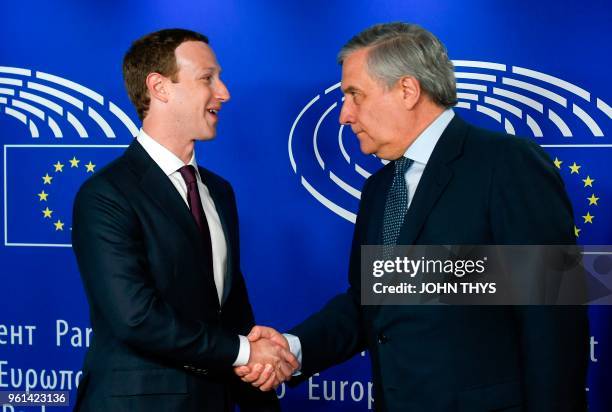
(47, 180)
(593, 200)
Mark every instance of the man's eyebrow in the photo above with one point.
(349, 89)
(210, 69)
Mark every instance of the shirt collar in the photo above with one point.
(420, 150)
(165, 159)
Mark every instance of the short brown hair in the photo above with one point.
(153, 53)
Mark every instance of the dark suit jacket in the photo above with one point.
(161, 340)
(478, 187)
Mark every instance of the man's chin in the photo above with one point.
(379, 152)
(366, 150)
(206, 137)
(381, 155)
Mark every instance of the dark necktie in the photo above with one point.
(195, 205)
(397, 203)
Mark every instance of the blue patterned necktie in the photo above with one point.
(397, 203)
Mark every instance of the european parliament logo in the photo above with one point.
(71, 132)
(568, 121)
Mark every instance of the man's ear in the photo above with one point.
(157, 85)
(411, 91)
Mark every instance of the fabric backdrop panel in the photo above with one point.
(539, 70)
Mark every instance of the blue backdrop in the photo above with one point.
(537, 69)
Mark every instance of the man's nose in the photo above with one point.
(221, 92)
(346, 114)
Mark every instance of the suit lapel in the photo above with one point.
(436, 176)
(376, 212)
(222, 208)
(158, 187)
(160, 190)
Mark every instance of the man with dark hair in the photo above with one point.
(156, 240)
(447, 183)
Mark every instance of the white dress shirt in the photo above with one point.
(419, 151)
(169, 163)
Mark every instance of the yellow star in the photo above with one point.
(593, 200)
(588, 218)
(577, 231)
(557, 163)
(59, 167)
(74, 162)
(47, 213)
(59, 225)
(90, 167)
(588, 181)
(42, 196)
(574, 168)
(47, 179)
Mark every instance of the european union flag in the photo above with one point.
(40, 183)
(585, 170)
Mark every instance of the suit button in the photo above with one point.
(382, 339)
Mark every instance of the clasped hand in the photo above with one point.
(270, 362)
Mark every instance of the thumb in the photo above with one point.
(254, 334)
(290, 359)
(242, 370)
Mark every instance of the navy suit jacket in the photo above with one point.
(478, 188)
(162, 341)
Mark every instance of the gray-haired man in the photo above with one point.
(460, 185)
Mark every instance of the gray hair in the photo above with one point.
(402, 49)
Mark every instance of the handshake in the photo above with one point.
(270, 361)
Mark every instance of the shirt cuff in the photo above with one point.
(295, 347)
(244, 353)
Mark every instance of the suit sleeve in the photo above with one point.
(111, 255)
(529, 206)
(336, 332)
